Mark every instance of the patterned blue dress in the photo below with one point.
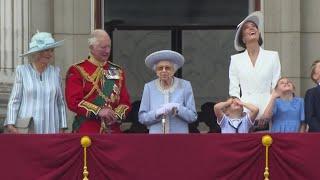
(287, 115)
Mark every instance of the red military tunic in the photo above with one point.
(92, 85)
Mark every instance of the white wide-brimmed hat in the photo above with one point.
(42, 41)
(255, 17)
(168, 55)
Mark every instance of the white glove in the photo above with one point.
(169, 107)
(160, 111)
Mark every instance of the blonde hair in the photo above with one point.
(293, 86)
(313, 68)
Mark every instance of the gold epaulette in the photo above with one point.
(78, 63)
(84, 73)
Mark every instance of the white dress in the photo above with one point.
(257, 81)
(38, 96)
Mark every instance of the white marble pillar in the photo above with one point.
(73, 22)
(14, 16)
(282, 34)
(14, 29)
(310, 40)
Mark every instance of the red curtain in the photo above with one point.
(153, 157)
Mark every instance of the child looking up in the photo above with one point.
(232, 119)
(285, 110)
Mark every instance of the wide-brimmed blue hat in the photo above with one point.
(255, 17)
(167, 55)
(42, 41)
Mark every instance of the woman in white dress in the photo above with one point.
(37, 89)
(254, 72)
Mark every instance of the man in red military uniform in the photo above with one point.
(96, 90)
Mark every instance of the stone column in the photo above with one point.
(14, 30)
(72, 22)
(282, 34)
(310, 40)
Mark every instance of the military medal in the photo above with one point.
(112, 73)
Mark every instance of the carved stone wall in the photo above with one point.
(14, 23)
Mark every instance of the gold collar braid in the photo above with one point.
(96, 62)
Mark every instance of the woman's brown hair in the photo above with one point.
(241, 43)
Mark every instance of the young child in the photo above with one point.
(232, 119)
(284, 109)
(312, 100)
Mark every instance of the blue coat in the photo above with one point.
(152, 99)
(312, 108)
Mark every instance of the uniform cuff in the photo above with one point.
(89, 107)
(120, 111)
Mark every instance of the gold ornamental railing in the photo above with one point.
(267, 141)
(85, 142)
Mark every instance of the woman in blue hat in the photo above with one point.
(167, 104)
(37, 92)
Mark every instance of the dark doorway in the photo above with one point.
(201, 30)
